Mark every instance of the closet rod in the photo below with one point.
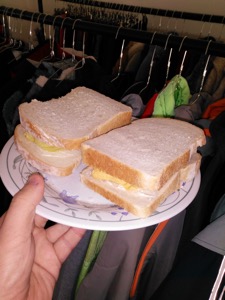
(152, 11)
(160, 39)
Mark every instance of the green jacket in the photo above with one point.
(176, 93)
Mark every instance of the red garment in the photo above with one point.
(149, 107)
(214, 109)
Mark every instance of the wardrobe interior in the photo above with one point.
(128, 51)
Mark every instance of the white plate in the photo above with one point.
(68, 201)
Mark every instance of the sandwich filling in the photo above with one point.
(100, 175)
(41, 144)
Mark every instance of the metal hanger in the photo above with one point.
(210, 27)
(64, 38)
(20, 43)
(13, 44)
(169, 59)
(4, 43)
(168, 23)
(82, 61)
(183, 26)
(51, 38)
(121, 56)
(184, 56)
(204, 72)
(203, 25)
(44, 26)
(30, 39)
(74, 41)
(12, 41)
(150, 65)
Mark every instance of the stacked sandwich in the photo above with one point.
(136, 165)
(140, 165)
(50, 133)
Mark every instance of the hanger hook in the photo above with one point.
(3, 18)
(120, 61)
(203, 25)
(211, 25)
(73, 41)
(73, 27)
(21, 14)
(43, 22)
(55, 18)
(64, 37)
(6, 11)
(167, 41)
(181, 44)
(117, 33)
(39, 17)
(64, 21)
(168, 23)
(9, 22)
(31, 46)
(184, 56)
(21, 24)
(153, 36)
(204, 72)
(44, 18)
(184, 20)
(207, 48)
(12, 12)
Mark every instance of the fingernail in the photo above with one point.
(34, 179)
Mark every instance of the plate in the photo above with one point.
(67, 201)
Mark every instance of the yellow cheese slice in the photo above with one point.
(41, 144)
(100, 175)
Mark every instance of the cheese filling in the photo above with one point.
(100, 175)
(41, 144)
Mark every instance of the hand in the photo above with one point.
(30, 255)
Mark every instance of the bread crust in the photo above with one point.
(142, 207)
(80, 104)
(130, 155)
(108, 164)
(138, 202)
(73, 144)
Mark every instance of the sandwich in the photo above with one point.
(50, 133)
(139, 165)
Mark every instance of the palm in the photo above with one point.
(52, 246)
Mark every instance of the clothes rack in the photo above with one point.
(203, 46)
(152, 11)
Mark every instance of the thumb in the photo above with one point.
(20, 215)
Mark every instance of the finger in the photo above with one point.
(2, 219)
(20, 215)
(56, 231)
(40, 221)
(66, 243)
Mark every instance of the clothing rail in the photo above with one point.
(152, 11)
(160, 39)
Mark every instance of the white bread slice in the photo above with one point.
(59, 163)
(78, 116)
(140, 202)
(145, 153)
